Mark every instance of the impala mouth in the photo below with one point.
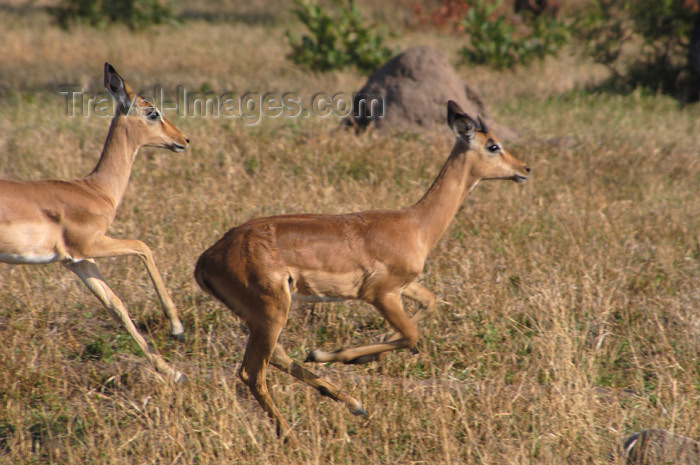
(177, 148)
(519, 178)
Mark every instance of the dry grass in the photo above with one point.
(568, 307)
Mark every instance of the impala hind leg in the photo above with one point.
(87, 271)
(391, 308)
(284, 362)
(259, 349)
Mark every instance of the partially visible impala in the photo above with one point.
(66, 221)
(259, 267)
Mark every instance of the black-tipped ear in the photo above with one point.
(453, 109)
(461, 123)
(118, 88)
(482, 124)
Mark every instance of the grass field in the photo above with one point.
(568, 307)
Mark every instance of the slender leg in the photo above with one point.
(110, 247)
(425, 298)
(421, 295)
(391, 308)
(259, 349)
(284, 362)
(87, 271)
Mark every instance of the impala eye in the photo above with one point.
(493, 148)
(154, 115)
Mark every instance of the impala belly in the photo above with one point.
(28, 243)
(313, 299)
(28, 259)
(323, 286)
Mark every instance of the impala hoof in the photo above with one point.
(177, 332)
(180, 378)
(357, 409)
(314, 356)
(291, 441)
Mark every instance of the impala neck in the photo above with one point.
(436, 209)
(111, 175)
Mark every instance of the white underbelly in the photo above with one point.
(30, 243)
(28, 259)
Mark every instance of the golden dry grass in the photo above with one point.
(568, 312)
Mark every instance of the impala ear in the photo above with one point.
(118, 88)
(461, 123)
(482, 125)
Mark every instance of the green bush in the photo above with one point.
(656, 32)
(136, 14)
(337, 41)
(494, 42)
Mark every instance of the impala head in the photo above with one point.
(153, 128)
(493, 160)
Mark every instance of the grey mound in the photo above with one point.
(660, 447)
(410, 93)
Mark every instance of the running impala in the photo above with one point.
(51, 221)
(257, 269)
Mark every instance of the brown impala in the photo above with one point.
(66, 221)
(259, 267)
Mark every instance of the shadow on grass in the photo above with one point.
(665, 78)
(189, 12)
(263, 18)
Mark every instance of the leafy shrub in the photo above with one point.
(136, 14)
(493, 41)
(658, 31)
(336, 42)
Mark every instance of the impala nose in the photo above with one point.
(188, 141)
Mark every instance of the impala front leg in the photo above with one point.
(87, 271)
(391, 308)
(425, 299)
(110, 247)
